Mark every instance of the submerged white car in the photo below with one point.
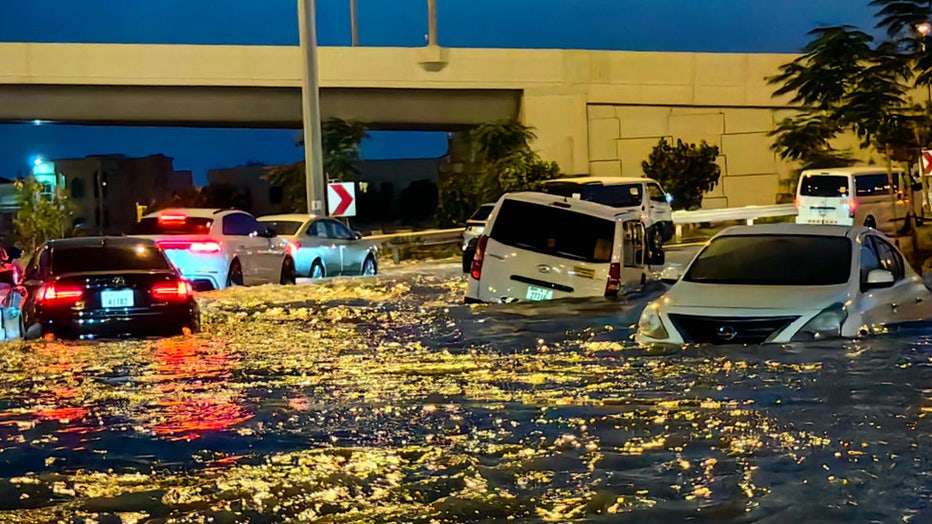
(785, 283)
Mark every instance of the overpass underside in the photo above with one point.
(254, 107)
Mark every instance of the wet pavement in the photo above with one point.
(387, 400)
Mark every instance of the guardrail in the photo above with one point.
(747, 213)
(432, 237)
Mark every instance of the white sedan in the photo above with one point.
(323, 246)
(785, 283)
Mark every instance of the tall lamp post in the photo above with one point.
(310, 102)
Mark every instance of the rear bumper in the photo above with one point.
(169, 320)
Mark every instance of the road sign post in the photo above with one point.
(341, 199)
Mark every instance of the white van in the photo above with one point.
(538, 246)
(858, 196)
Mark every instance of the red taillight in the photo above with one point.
(179, 290)
(797, 203)
(53, 293)
(852, 206)
(613, 285)
(292, 247)
(209, 246)
(172, 218)
(476, 270)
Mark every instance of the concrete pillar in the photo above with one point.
(560, 122)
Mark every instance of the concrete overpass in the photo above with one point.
(597, 112)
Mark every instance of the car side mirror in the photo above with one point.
(357, 235)
(671, 274)
(879, 278)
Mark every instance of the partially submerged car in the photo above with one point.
(323, 246)
(785, 283)
(475, 226)
(538, 246)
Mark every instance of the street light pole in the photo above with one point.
(354, 28)
(432, 22)
(310, 102)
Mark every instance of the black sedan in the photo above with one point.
(105, 287)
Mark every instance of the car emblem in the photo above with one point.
(118, 282)
(543, 268)
(727, 333)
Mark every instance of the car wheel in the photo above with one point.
(317, 270)
(235, 275)
(288, 272)
(369, 267)
(870, 221)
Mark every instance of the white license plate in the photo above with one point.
(538, 293)
(116, 298)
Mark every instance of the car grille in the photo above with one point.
(728, 330)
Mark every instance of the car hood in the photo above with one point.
(793, 298)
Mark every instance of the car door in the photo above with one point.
(317, 237)
(660, 209)
(633, 253)
(36, 274)
(900, 302)
(345, 240)
(242, 231)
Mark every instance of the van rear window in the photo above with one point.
(824, 186)
(615, 195)
(554, 231)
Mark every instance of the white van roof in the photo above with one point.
(580, 206)
(854, 170)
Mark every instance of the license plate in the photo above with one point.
(116, 298)
(538, 293)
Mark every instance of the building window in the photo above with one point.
(77, 188)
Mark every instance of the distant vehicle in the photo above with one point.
(323, 246)
(475, 226)
(785, 283)
(541, 247)
(859, 196)
(93, 287)
(218, 248)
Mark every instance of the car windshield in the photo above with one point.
(112, 257)
(824, 186)
(554, 231)
(773, 260)
(282, 227)
(482, 214)
(181, 226)
(620, 195)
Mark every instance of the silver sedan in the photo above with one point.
(323, 246)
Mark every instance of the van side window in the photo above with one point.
(655, 193)
(889, 258)
(875, 184)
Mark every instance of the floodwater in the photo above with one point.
(387, 400)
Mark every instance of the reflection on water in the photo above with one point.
(385, 401)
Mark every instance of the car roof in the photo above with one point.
(601, 180)
(855, 170)
(795, 229)
(581, 206)
(291, 217)
(198, 212)
(99, 241)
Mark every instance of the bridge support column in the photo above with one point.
(562, 128)
(310, 103)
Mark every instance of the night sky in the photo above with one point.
(642, 25)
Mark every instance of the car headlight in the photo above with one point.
(650, 325)
(827, 324)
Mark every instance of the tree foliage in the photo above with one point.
(686, 171)
(39, 217)
(504, 162)
(340, 143)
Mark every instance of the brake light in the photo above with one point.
(196, 247)
(54, 294)
(292, 247)
(852, 206)
(172, 291)
(476, 269)
(613, 285)
(797, 203)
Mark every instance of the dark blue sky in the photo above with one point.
(652, 25)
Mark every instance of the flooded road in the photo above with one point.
(387, 400)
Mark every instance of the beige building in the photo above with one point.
(106, 188)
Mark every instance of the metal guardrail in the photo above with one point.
(432, 237)
(747, 213)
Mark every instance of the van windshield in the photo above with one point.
(824, 186)
(554, 231)
(614, 195)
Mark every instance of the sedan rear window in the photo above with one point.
(122, 257)
(773, 260)
(554, 231)
(282, 227)
(824, 186)
(185, 226)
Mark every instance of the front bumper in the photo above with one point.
(703, 325)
